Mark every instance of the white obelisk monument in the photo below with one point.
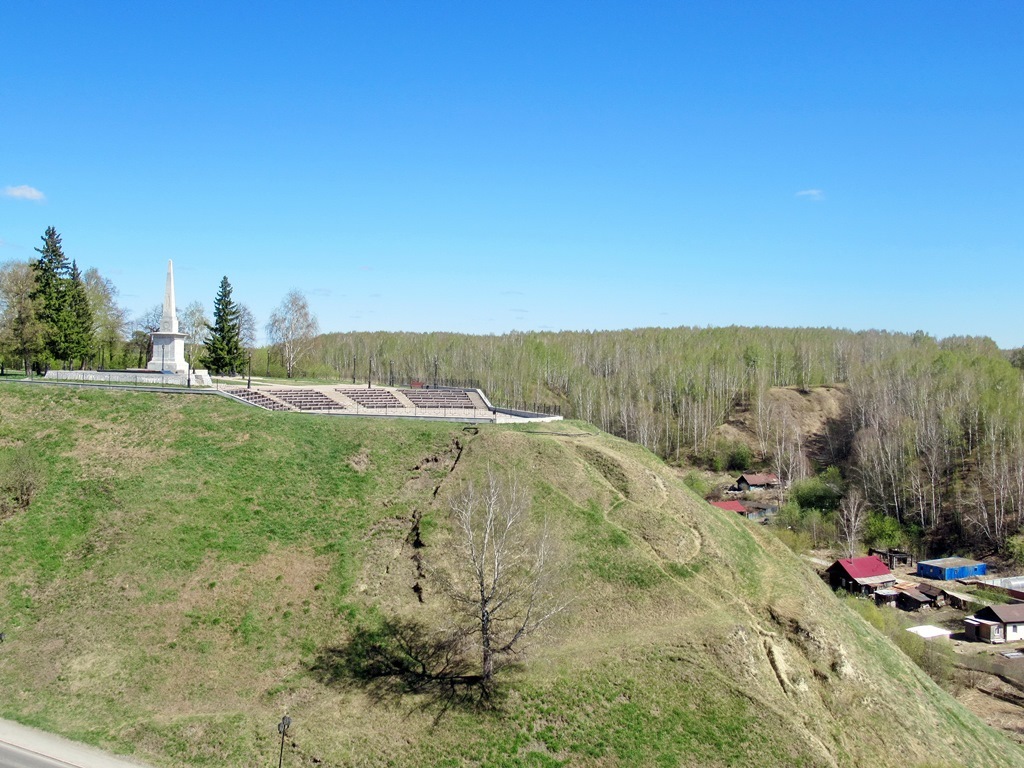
(168, 344)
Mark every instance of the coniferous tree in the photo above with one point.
(63, 302)
(223, 345)
(52, 272)
(79, 322)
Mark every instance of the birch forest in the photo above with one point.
(931, 432)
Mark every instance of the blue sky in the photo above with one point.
(483, 167)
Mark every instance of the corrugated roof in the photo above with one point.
(765, 478)
(915, 595)
(863, 567)
(964, 596)
(730, 506)
(870, 581)
(950, 562)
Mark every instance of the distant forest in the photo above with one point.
(932, 433)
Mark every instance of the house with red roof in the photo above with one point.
(751, 510)
(860, 575)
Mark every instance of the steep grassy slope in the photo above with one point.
(191, 569)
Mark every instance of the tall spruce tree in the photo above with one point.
(79, 322)
(223, 345)
(52, 274)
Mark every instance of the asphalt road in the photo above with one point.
(16, 757)
(22, 747)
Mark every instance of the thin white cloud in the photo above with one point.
(811, 194)
(24, 192)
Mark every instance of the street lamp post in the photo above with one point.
(282, 728)
(249, 384)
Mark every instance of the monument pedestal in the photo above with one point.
(168, 353)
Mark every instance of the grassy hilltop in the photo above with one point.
(191, 569)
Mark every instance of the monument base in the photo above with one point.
(134, 378)
(168, 353)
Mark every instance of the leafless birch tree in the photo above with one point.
(292, 328)
(853, 513)
(504, 582)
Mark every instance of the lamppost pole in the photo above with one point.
(249, 384)
(282, 728)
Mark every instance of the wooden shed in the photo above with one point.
(886, 596)
(910, 599)
(937, 595)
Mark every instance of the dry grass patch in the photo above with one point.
(360, 462)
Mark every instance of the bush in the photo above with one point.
(1015, 548)
(697, 483)
(823, 492)
(728, 455)
(738, 457)
(20, 477)
(882, 531)
(802, 529)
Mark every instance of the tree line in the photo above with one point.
(52, 314)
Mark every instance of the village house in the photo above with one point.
(996, 624)
(860, 575)
(730, 506)
(759, 512)
(757, 482)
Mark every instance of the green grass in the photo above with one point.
(187, 562)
